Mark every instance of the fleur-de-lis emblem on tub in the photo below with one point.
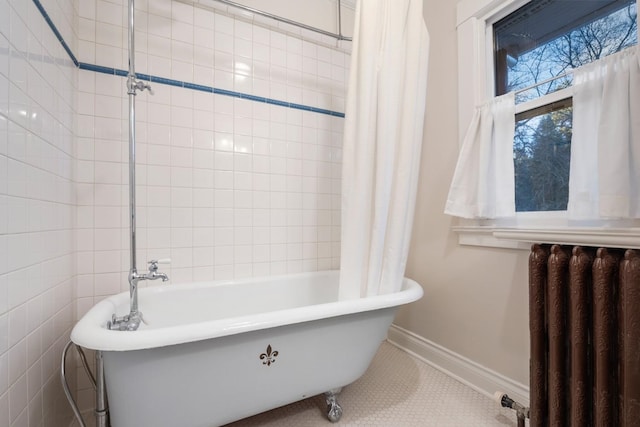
(269, 357)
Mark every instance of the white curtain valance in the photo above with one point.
(483, 184)
(604, 177)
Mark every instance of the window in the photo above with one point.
(535, 49)
(530, 47)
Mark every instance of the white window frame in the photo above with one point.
(475, 86)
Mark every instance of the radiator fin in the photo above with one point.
(630, 328)
(584, 322)
(537, 328)
(579, 319)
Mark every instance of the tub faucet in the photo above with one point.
(131, 321)
(153, 271)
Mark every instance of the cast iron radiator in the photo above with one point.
(584, 321)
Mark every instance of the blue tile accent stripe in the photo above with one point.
(101, 69)
(53, 27)
(209, 89)
(177, 83)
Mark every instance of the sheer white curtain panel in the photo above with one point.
(604, 180)
(483, 184)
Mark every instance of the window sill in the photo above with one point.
(522, 238)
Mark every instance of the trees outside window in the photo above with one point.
(537, 55)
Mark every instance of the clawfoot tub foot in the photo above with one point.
(334, 410)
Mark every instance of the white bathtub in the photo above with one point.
(213, 353)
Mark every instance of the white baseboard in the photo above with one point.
(468, 372)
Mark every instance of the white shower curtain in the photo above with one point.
(382, 144)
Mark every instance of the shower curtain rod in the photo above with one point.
(338, 36)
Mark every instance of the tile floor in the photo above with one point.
(398, 390)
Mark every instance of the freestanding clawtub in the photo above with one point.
(212, 353)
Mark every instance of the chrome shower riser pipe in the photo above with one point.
(131, 321)
(131, 91)
(340, 36)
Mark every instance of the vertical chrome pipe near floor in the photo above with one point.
(66, 388)
(102, 410)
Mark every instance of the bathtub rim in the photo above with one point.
(90, 331)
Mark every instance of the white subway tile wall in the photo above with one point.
(226, 187)
(37, 210)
